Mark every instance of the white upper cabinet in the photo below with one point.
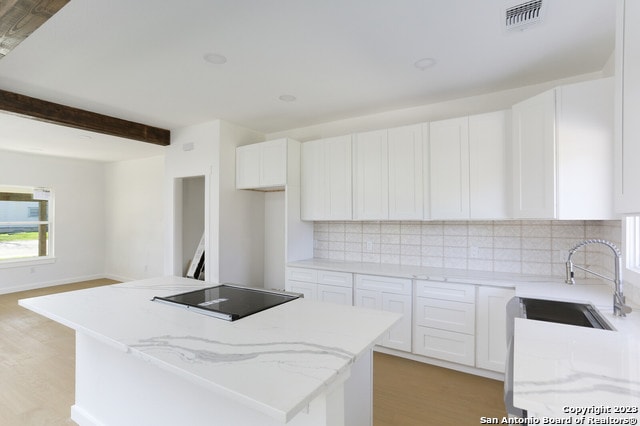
(449, 168)
(627, 102)
(405, 146)
(262, 165)
(488, 177)
(326, 179)
(467, 167)
(371, 176)
(563, 153)
(388, 174)
(534, 157)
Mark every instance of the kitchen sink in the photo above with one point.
(572, 313)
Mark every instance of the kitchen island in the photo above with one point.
(147, 363)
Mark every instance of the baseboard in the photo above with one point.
(120, 278)
(33, 286)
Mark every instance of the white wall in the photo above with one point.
(193, 152)
(241, 233)
(233, 235)
(134, 225)
(79, 206)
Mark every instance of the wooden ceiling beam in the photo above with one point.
(19, 18)
(81, 119)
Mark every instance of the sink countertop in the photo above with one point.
(558, 367)
(276, 361)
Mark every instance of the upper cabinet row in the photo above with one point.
(388, 174)
(549, 157)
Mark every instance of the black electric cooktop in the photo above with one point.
(227, 301)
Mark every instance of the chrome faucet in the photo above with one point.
(619, 307)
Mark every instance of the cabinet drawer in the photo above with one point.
(446, 291)
(445, 315)
(384, 284)
(446, 345)
(308, 290)
(335, 294)
(342, 279)
(301, 274)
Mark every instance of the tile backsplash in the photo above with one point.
(527, 247)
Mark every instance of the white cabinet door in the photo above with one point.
(449, 168)
(312, 180)
(585, 141)
(248, 166)
(534, 157)
(273, 170)
(405, 173)
(388, 294)
(399, 336)
(262, 165)
(370, 176)
(338, 178)
(334, 294)
(491, 336)
(488, 165)
(326, 179)
(627, 173)
(370, 299)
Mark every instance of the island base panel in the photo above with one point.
(116, 388)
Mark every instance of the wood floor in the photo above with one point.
(37, 379)
(410, 393)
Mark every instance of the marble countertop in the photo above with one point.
(559, 368)
(497, 279)
(276, 361)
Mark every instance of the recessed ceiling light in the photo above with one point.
(215, 58)
(424, 63)
(287, 98)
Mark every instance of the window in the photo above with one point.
(25, 223)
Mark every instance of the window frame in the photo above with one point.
(48, 195)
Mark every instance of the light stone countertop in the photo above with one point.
(498, 279)
(276, 361)
(558, 367)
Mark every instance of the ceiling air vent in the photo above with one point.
(523, 14)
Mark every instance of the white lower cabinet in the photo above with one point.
(309, 290)
(325, 286)
(491, 349)
(303, 281)
(444, 321)
(459, 323)
(388, 294)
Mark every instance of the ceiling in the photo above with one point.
(144, 61)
